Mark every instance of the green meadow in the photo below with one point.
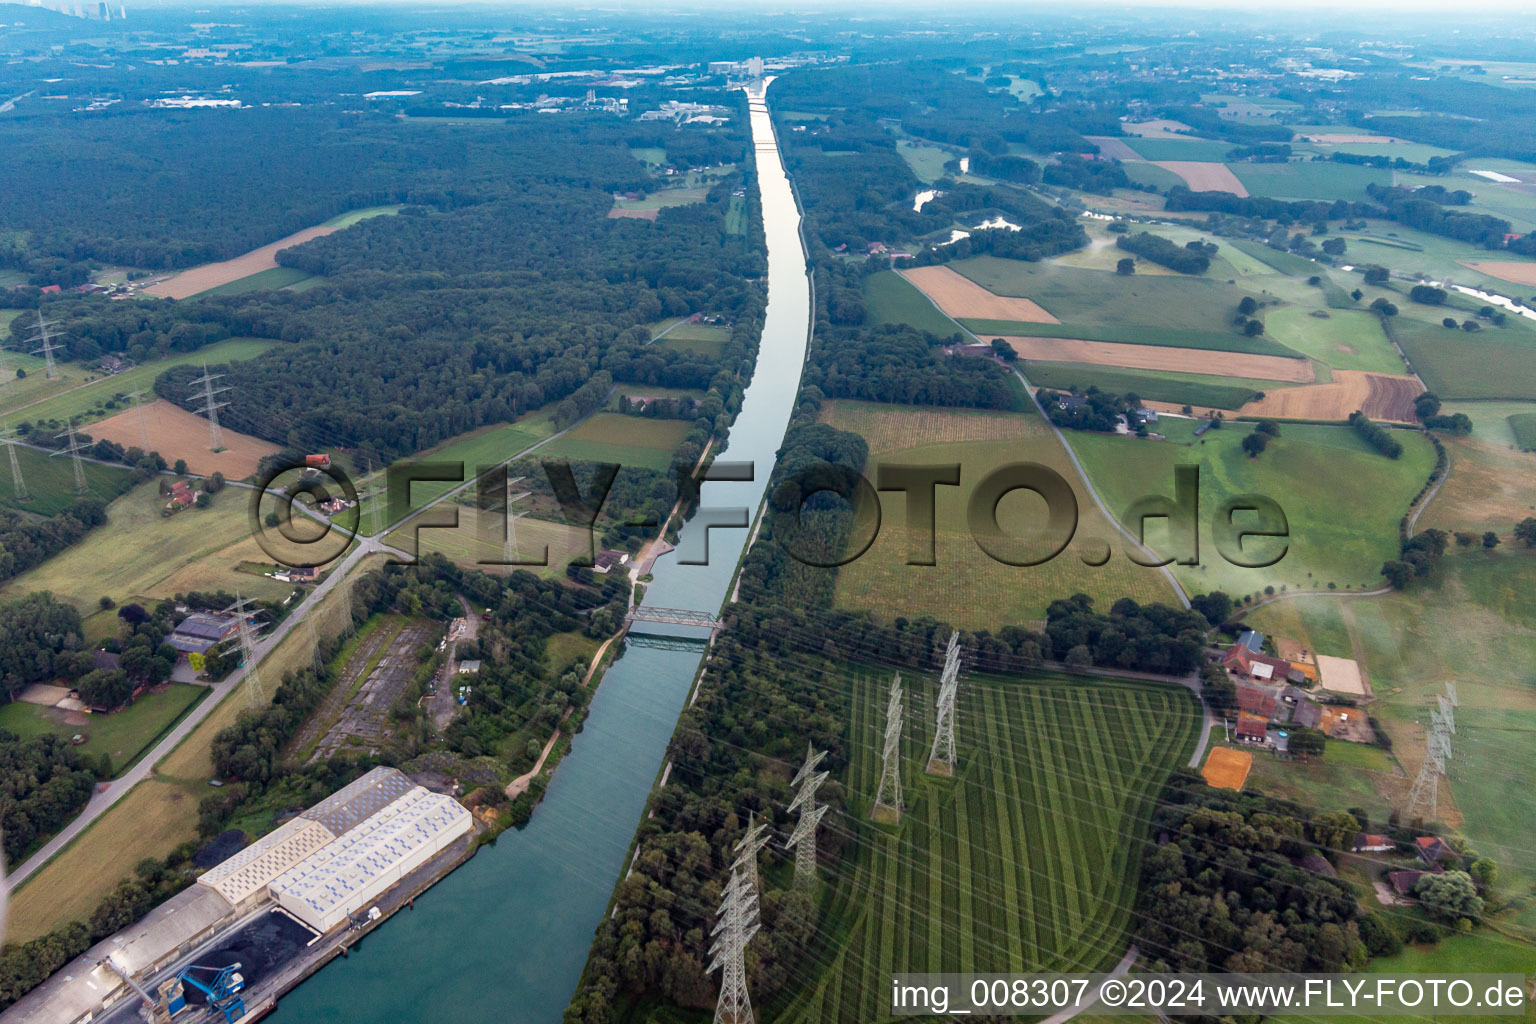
(1078, 296)
(1342, 500)
(50, 482)
(90, 400)
(1310, 179)
(122, 735)
(1494, 362)
(891, 299)
(1205, 150)
(1026, 860)
(628, 440)
(1345, 339)
(1198, 390)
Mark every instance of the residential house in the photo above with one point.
(1308, 715)
(607, 559)
(1404, 881)
(1433, 850)
(1255, 700)
(114, 364)
(1251, 728)
(105, 661)
(200, 632)
(1369, 842)
(469, 668)
(975, 349)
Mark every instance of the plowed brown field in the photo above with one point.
(1227, 768)
(1159, 357)
(961, 297)
(1504, 270)
(1381, 396)
(178, 434)
(1204, 176)
(211, 275)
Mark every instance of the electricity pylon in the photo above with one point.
(803, 839)
(138, 409)
(748, 848)
(738, 923)
(73, 451)
(211, 408)
(255, 692)
(8, 438)
(888, 795)
(941, 760)
(44, 342)
(1424, 797)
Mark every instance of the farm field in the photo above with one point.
(1151, 357)
(1379, 396)
(465, 545)
(50, 482)
(1496, 362)
(266, 280)
(1027, 860)
(1490, 487)
(1180, 389)
(178, 434)
(966, 587)
(155, 817)
(1345, 339)
(1523, 426)
(1404, 250)
(122, 735)
(961, 297)
(652, 205)
(1283, 262)
(627, 440)
(1159, 150)
(16, 392)
(702, 339)
(137, 552)
(927, 162)
(1077, 296)
(1143, 172)
(1203, 176)
(1310, 179)
(1325, 782)
(1226, 768)
(1505, 270)
(1491, 655)
(1135, 334)
(478, 449)
(1314, 472)
(88, 401)
(1491, 419)
(892, 299)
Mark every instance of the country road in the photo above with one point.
(108, 795)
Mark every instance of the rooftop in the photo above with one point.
(358, 801)
(248, 872)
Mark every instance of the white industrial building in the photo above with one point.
(330, 861)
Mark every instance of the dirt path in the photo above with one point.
(518, 786)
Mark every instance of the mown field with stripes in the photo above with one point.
(1025, 861)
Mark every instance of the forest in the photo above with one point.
(1223, 890)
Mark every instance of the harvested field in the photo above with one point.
(1161, 128)
(1202, 176)
(651, 214)
(1227, 768)
(1156, 357)
(1489, 487)
(1381, 396)
(1112, 148)
(1341, 675)
(1177, 409)
(1505, 270)
(211, 275)
(178, 434)
(960, 296)
(890, 428)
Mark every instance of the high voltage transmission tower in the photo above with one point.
(506, 536)
(803, 839)
(375, 507)
(8, 437)
(1424, 797)
(44, 341)
(941, 761)
(888, 795)
(255, 693)
(738, 923)
(73, 451)
(138, 409)
(210, 409)
(748, 848)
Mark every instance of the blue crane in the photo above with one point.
(222, 986)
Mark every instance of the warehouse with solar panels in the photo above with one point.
(320, 867)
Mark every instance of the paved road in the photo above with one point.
(110, 793)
